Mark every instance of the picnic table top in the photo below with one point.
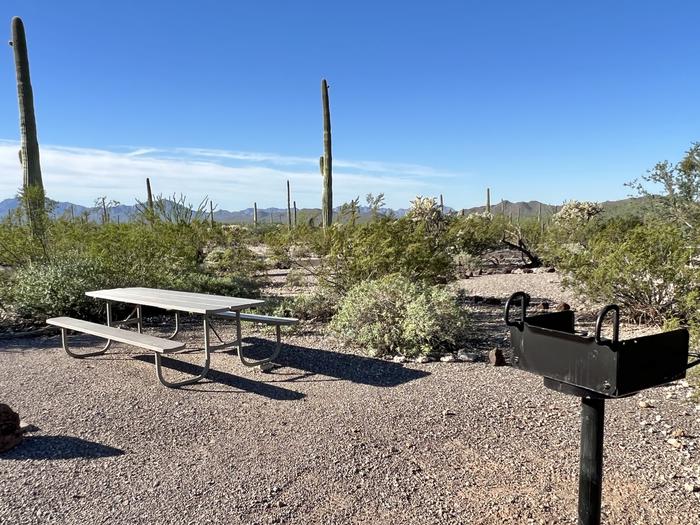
(199, 303)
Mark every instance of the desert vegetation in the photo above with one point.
(389, 276)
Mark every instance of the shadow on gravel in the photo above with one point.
(347, 367)
(60, 447)
(214, 376)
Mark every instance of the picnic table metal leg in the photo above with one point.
(139, 318)
(248, 362)
(64, 344)
(109, 323)
(205, 370)
(177, 326)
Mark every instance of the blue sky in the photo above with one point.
(537, 100)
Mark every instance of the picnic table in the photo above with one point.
(207, 305)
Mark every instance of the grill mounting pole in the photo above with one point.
(590, 482)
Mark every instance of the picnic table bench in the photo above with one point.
(140, 340)
(209, 306)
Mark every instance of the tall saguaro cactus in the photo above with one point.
(29, 147)
(149, 195)
(255, 215)
(326, 161)
(488, 200)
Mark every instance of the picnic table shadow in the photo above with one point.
(338, 365)
(59, 447)
(217, 376)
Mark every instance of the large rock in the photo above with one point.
(496, 357)
(10, 433)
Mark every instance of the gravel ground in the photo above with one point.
(329, 436)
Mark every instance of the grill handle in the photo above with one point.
(524, 302)
(616, 324)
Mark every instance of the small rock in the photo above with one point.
(423, 359)
(562, 307)
(645, 404)
(469, 357)
(448, 413)
(399, 359)
(264, 367)
(25, 427)
(674, 443)
(679, 432)
(691, 487)
(449, 358)
(10, 433)
(496, 357)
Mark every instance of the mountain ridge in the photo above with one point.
(125, 212)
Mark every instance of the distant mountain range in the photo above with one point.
(125, 213)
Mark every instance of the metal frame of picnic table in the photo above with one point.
(169, 300)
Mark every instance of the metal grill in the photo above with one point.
(593, 368)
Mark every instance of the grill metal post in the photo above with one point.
(591, 467)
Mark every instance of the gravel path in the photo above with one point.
(538, 285)
(326, 437)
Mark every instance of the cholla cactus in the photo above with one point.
(426, 210)
(576, 213)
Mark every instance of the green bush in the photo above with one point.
(42, 290)
(82, 256)
(394, 315)
(319, 305)
(383, 247)
(646, 270)
(477, 233)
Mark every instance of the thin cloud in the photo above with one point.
(286, 160)
(233, 180)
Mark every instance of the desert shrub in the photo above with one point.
(84, 256)
(680, 182)
(384, 247)
(394, 315)
(232, 285)
(46, 289)
(319, 305)
(646, 270)
(232, 258)
(477, 233)
(287, 247)
(296, 278)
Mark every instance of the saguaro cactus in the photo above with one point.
(326, 161)
(488, 200)
(29, 144)
(149, 194)
(295, 214)
(255, 215)
(289, 207)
